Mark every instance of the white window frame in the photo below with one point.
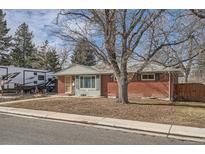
(148, 75)
(83, 81)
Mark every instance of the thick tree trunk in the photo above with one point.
(123, 91)
(186, 77)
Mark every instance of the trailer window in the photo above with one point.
(35, 73)
(41, 77)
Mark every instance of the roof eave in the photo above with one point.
(99, 73)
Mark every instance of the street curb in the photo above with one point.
(165, 130)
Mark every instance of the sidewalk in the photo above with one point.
(166, 130)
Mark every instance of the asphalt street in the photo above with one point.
(21, 130)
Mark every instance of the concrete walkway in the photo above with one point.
(24, 100)
(166, 130)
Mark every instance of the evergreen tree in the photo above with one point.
(23, 53)
(83, 54)
(5, 40)
(47, 58)
(52, 60)
(40, 61)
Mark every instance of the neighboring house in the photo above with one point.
(154, 81)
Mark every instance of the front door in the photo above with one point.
(68, 84)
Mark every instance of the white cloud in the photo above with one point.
(39, 21)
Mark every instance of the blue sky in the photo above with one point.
(40, 23)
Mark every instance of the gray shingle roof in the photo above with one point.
(100, 68)
(152, 68)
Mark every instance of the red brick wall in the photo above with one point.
(61, 84)
(104, 84)
(142, 89)
(139, 88)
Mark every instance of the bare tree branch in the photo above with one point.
(198, 13)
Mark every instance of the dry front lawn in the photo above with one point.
(139, 109)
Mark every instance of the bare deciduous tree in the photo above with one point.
(117, 37)
(199, 13)
(63, 57)
(184, 55)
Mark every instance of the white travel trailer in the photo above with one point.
(25, 78)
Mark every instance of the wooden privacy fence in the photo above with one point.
(190, 92)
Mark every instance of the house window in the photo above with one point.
(93, 81)
(87, 82)
(41, 77)
(81, 82)
(148, 76)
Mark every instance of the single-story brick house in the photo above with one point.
(154, 81)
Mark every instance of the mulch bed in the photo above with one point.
(150, 110)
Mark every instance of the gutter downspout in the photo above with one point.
(170, 86)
